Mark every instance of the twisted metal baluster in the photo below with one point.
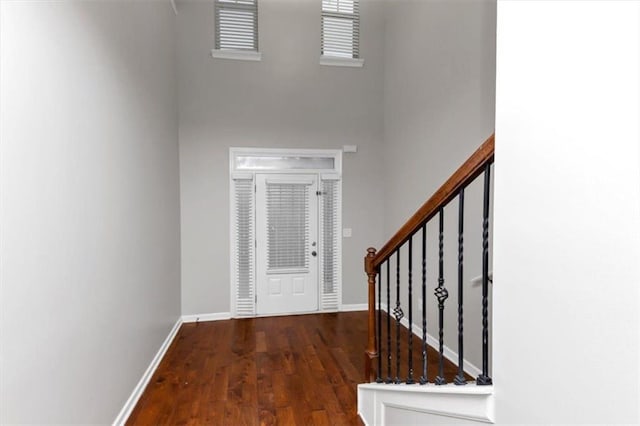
(389, 379)
(441, 294)
(397, 312)
(379, 330)
(423, 378)
(484, 378)
(460, 379)
(409, 277)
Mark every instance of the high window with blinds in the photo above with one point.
(236, 25)
(340, 29)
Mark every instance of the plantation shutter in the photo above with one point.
(236, 24)
(341, 28)
(330, 273)
(244, 208)
(287, 225)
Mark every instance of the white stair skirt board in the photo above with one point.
(128, 407)
(216, 316)
(448, 353)
(354, 307)
(384, 404)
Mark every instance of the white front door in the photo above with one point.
(286, 243)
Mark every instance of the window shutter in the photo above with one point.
(287, 225)
(329, 243)
(341, 28)
(244, 205)
(236, 24)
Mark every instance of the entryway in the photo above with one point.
(285, 229)
(287, 243)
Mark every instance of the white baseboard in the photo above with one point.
(448, 353)
(354, 307)
(216, 316)
(142, 384)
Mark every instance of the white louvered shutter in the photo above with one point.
(244, 207)
(330, 243)
(287, 225)
(340, 28)
(236, 25)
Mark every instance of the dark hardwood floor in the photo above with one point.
(292, 370)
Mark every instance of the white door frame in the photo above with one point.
(330, 161)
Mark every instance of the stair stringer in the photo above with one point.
(384, 404)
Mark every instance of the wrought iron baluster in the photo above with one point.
(379, 329)
(460, 379)
(389, 380)
(441, 294)
(484, 378)
(397, 312)
(423, 378)
(410, 300)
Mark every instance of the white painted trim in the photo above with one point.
(175, 8)
(432, 341)
(330, 176)
(241, 176)
(216, 316)
(144, 380)
(236, 54)
(354, 307)
(341, 62)
(458, 402)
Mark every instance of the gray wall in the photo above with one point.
(287, 100)
(89, 204)
(439, 97)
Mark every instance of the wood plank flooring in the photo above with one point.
(292, 370)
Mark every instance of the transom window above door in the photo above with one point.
(249, 159)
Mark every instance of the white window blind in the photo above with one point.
(287, 226)
(243, 200)
(340, 28)
(236, 24)
(329, 243)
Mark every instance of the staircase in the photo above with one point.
(412, 328)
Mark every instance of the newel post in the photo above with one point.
(371, 353)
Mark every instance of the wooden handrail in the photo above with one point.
(465, 174)
(462, 177)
